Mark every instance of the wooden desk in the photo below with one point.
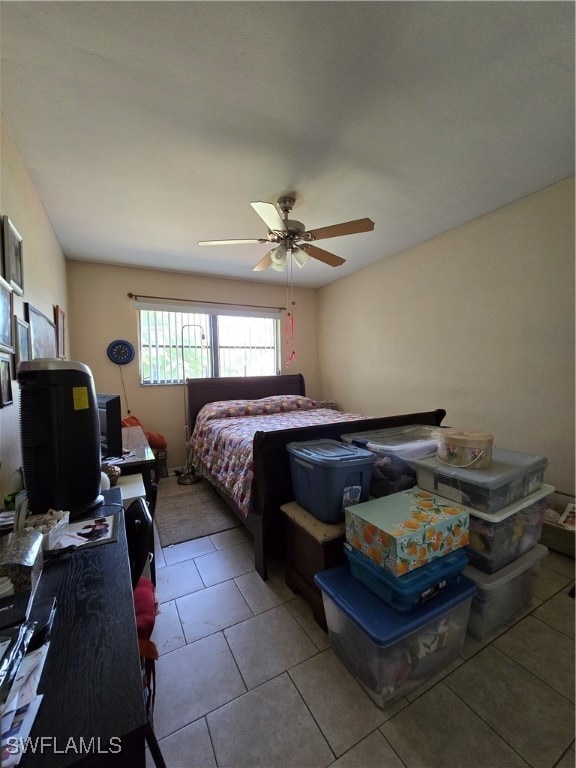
(91, 682)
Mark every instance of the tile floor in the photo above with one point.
(247, 678)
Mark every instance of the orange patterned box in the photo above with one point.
(406, 530)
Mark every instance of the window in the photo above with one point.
(176, 345)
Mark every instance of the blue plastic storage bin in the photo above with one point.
(390, 653)
(405, 593)
(328, 475)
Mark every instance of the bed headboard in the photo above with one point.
(202, 391)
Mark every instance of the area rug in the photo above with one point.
(191, 513)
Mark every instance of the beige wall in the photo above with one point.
(100, 311)
(44, 280)
(479, 321)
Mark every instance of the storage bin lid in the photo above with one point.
(417, 580)
(412, 441)
(488, 582)
(517, 506)
(381, 623)
(330, 453)
(506, 467)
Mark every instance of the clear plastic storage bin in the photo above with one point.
(388, 652)
(499, 538)
(510, 477)
(403, 593)
(393, 449)
(503, 594)
(328, 475)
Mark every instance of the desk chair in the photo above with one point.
(139, 529)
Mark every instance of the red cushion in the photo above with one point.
(145, 607)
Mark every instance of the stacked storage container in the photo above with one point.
(393, 451)
(398, 612)
(328, 475)
(507, 501)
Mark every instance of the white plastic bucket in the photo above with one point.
(465, 448)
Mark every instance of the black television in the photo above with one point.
(110, 416)
(60, 436)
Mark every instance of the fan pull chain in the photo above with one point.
(289, 333)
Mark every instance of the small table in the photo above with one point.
(311, 546)
(139, 460)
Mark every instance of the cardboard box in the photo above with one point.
(406, 530)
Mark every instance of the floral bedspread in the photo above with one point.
(221, 443)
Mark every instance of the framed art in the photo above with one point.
(14, 272)
(42, 333)
(5, 380)
(6, 300)
(21, 339)
(60, 337)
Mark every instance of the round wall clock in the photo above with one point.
(121, 352)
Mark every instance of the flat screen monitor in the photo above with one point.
(110, 415)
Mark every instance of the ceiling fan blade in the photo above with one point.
(264, 263)
(319, 253)
(270, 216)
(346, 228)
(231, 242)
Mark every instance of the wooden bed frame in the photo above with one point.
(272, 482)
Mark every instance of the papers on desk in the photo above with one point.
(21, 706)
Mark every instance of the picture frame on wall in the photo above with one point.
(59, 318)
(14, 268)
(22, 347)
(5, 380)
(42, 333)
(6, 303)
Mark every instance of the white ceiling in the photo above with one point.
(147, 126)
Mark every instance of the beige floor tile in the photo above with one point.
(542, 650)
(168, 634)
(269, 727)
(212, 609)
(302, 612)
(558, 612)
(263, 595)
(186, 550)
(268, 645)
(176, 580)
(192, 681)
(338, 703)
(548, 583)
(230, 537)
(559, 563)
(533, 718)
(225, 564)
(567, 760)
(438, 730)
(372, 752)
(190, 747)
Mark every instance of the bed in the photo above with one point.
(256, 497)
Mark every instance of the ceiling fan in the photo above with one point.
(292, 238)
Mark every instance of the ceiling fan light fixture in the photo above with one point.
(300, 257)
(278, 258)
